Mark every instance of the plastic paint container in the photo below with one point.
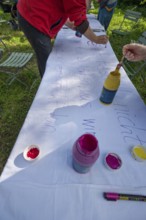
(110, 87)
(85, 153)
(139, 153)
(113, 161)
(31, 153)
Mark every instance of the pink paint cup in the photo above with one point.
(85, 153)
(113, 161)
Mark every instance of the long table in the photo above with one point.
(66, 106)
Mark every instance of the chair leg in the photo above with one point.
(14, 76)
(121, 24)
(33, 84)
(35, 81)
(12, 79)
(139, 69)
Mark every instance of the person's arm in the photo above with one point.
(89, 34)
(134, 52)
(70, 24)
(109, 9)
(76, 11)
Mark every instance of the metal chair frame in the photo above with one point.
(131, 16)
(14, 63)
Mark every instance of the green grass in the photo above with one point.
(15, 100)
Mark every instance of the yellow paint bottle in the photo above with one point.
(110, 87)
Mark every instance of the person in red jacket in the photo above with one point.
(41, 21)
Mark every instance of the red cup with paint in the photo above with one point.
(31, 152)
(85, 153)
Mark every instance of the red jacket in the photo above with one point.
(48, 16)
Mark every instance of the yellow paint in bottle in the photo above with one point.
(110, 87)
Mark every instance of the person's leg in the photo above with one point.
(40, 42)
(108, 19)
(102, 13)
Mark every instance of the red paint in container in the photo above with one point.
(33, 153)
(113, 161)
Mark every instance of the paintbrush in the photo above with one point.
(120, 63)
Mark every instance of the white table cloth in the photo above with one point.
(66, 106)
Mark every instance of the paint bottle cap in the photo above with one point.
(139, 153)
(112, 161)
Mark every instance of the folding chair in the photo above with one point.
(134, 68)
(14, 63)
(131, 16)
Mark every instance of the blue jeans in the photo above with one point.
(40, 42)
(104, 17)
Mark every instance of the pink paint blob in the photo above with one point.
(88, 143)
(85, 151)
(113, 161)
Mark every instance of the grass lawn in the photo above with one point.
(15, 100)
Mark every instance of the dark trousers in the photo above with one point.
(40, 42)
